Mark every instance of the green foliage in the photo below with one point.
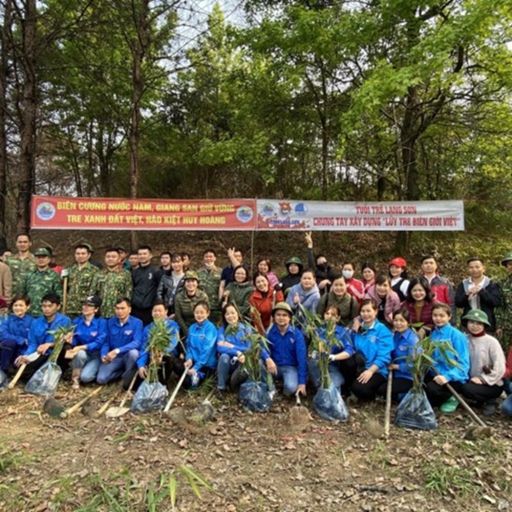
(157, 343)
(59, 335)
(252, 363)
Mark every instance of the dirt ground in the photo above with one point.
(284, 460)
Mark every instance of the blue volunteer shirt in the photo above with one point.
(91, 335)
(16, 329)
(342, 335)
(458, 351)
(125, 337)
(174, 337)
(41, 331)
(404, 345)
(201, 345)
(236, 336)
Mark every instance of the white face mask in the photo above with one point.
(347, 274)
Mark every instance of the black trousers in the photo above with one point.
(398, 387)
(439, 394)
(35, 365)
(481, 393)
(368, 391)
(170, 364)
(143, 314)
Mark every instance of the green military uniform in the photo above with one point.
(184, 308)
(37, 284)
(80, 282)
(503, 313)
(209, 281)
(111, 285)
(19, 270)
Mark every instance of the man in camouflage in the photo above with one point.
(41, 281)
(22, 264)
(209, 280)
(80, 278)
(186, 300)
(504, 312)
(111, 283)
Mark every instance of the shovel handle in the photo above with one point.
(175, 392)
(387, 417)
(106, 405)
(74, 408)
(128, 391)
(297, 399)
(473, 414)
(16, 378)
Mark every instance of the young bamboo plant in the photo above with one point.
(320, 347)
(158, 341)
(61, 336)
(252, 363)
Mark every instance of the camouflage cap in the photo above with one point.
(294, 260)
(506, 258)
(282, 306)
(191, 274)
(477, 315)
(43, 251)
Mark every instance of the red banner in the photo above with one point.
(143, 214)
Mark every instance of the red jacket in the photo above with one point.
(508, 370)
(425, 315)
(355, 288)
(264, 305)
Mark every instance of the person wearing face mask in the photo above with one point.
(386, 299)
(324, 273)
(338, 296)
(478, 292)
(354, 286)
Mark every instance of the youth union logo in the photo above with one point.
(45, 211)
(244, 214)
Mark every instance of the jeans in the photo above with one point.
(122, 366)
(506, 406)
(334, 372)
(224, 370)
(290, 377)
(89, 363)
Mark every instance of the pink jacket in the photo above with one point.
(392, 302)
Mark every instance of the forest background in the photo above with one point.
(327, 100)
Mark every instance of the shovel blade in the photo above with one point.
(115, 412)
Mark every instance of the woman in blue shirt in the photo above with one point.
(373, 343)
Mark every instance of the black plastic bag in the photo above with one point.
(255, 396)
(415, 411)
(45, 380)
(329, 405)
(151, 396)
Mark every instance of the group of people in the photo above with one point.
(371, 326)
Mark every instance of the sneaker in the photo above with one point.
(450, 406)
(489, 408)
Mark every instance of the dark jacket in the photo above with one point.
(145, 284)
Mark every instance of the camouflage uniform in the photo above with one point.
(80, 282)
(19, 270)
(111, 285)
(209, 281)
(504, 312)
(37, 284)
(184, 308)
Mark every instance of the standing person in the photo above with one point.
(373, 343)
(187, 261)
(200, 354)
(263, 299)
(404, 341)
(171, 282)
(120, 351)
(354, 286)
(22, 264)
(338, 296)
(368, 273)
(264, 267)
(5, 282)
(170, 363)
(305, 294)
(478, 292)
(89, 336)
(294, 269)
(504, 311)
(487, 364)
(124, 258)
(324, 273)
(145, 280)
(80, 279)
(397, 269)
(444, 372)
(41, 336)
(419, 302)
(287, 359)
(111, 283)
(209, 280)
(506, 406)
(386, 299)
(41, 281)
(186, 300)
(132, 262)
(236, 258)
(53, 261)
(165, 261)
(442, 289)
(14, 333)
(239, 291)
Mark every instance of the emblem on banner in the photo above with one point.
(45, 211)
(244, 214)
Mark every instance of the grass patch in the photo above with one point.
(441, 479)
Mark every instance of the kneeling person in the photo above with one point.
(120, 351)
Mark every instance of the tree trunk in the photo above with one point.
(28, 118)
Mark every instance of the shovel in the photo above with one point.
(204, 411)
(387, 415)
(175, 392)
(32, 357)
(70, 410)
(116, 412)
